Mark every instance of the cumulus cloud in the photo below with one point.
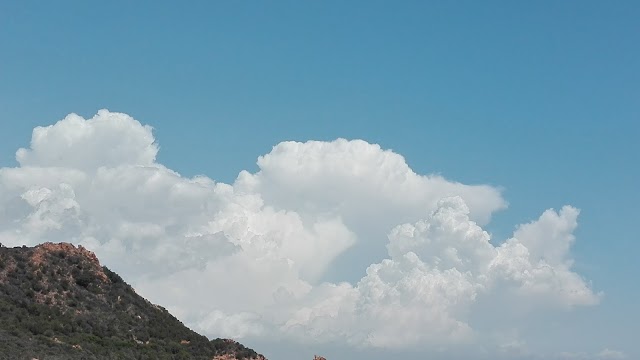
(437, 269)
(250, 259)
(108, 139)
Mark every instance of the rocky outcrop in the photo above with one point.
(58, 302)
(41, 251)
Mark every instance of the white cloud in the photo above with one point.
(611, 354)
(438, 268)
(537, 260)
(108, 139)
(605, 354)
(249, 259)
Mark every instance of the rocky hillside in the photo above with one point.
(58, 302)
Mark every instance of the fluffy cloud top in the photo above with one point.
(108, 139)
(251, 258)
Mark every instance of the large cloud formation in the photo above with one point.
(250, 259)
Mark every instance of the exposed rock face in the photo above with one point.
(58, 302)
(47, 248)
(40, 257)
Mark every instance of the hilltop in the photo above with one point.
(57, 302)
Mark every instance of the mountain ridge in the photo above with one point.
(58, 302)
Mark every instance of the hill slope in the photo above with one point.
(58, 302)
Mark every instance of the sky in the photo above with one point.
(360, 180)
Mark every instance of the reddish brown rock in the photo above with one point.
(41, 251)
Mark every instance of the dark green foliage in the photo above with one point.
(113, 277)
(68, 307)
(84, 279)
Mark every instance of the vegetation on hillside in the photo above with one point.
(57, 302)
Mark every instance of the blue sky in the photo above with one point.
(541, 99)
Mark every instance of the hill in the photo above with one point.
(57, 302)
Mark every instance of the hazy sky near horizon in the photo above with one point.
(345, 178)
